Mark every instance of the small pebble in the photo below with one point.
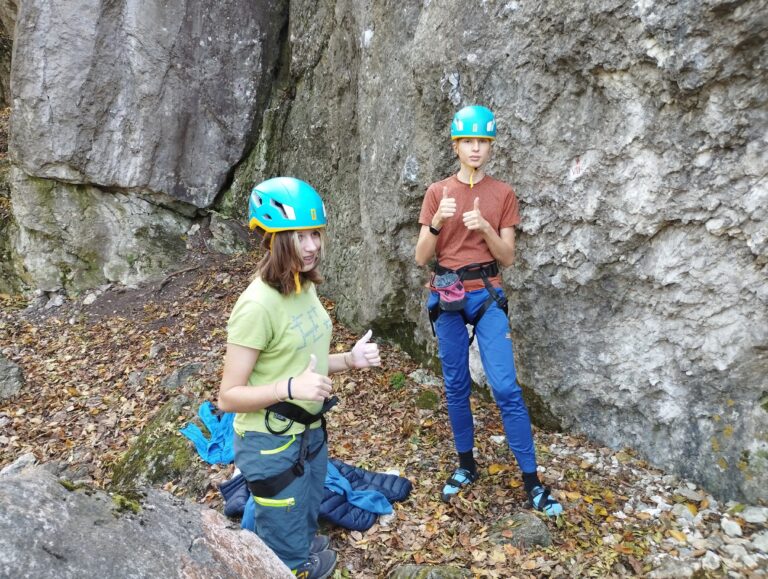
(731, 528)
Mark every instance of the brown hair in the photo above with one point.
(283, 258)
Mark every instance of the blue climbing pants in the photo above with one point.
(286, 522)
(495, 344)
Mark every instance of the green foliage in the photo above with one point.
(427, 400)
(71, 486)
(397, 380)
(124, 504)
(764, 402)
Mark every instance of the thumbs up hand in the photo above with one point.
(310, 385)
(445, 210)
(365, 353)
(473, 220)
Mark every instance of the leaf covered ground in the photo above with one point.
(96, 374)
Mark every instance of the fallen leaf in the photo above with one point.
(497, 468)
(677, 535)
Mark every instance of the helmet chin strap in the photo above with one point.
(297, 281)
(471, 177)
(271, 242)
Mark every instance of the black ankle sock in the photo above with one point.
(530, 480)
(467, 461)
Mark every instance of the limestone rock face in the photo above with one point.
(161, 97)
(634, 135)
(48, 530)
(80, 236)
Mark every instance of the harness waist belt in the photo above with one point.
(299, 414)
(471, 271)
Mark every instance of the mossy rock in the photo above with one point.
(162, 455)
(126, 504)
(427, 400)
(428, 572)
(523, 530)
(540, 411)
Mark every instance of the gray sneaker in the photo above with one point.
(319, 543)
(318, 566)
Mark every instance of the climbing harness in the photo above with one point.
(271, 486)
(483, 271)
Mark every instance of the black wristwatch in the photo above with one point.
(434, 231)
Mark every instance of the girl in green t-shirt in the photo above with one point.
(276, 376)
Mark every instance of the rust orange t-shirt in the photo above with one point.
(457, 246)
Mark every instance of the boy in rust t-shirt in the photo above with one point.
(467, 223)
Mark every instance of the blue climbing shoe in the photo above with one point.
(540, 499)
(460, 478)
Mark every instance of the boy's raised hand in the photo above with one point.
(365, 353)
(474, 220)
(445, 210)
(309, 385)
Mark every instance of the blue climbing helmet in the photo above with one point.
(283, 204)
(473, 121)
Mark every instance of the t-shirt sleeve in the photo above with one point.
(428, 206)
(510, 212)
(249, 325)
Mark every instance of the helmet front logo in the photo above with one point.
(313, 214)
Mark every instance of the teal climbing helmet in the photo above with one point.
(474, 121)
(285, 203)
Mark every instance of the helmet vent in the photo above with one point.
(286, 210)
(280, 207)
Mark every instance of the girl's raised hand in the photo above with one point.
(365, 353)
(310, 385)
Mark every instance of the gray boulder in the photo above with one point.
(51, 528)
(522, 530)
(160, 454)
(11, 378)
